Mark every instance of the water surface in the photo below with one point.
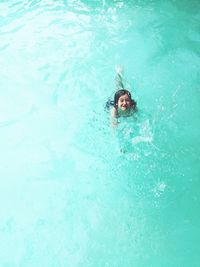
(74, 191)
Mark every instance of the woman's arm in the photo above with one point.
(119, 77)
(113, 117)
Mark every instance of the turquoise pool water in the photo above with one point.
(74, 192)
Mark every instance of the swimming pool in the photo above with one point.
(74, 191)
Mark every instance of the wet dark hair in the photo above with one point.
(120, 93)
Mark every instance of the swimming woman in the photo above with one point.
(123, 104)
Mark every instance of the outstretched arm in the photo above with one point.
(119, 77)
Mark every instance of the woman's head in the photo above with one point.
(123, 100)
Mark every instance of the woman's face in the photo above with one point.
(124, 102)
